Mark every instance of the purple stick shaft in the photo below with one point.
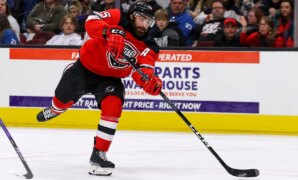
(29, 174)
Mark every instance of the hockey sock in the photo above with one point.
(59, 107)
(111, 108)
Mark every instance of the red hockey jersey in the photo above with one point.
(95, 57)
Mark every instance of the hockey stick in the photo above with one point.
(29, 174)
(232, 171)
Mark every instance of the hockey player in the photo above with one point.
(100, 68)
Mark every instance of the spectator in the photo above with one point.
(284, 23)
(203, 6)
(86, 6)
(100, 5)
(253, 19)
(21, 10)
(163, 3)
(46, 16)
(68, 36)
(265, 37)
(7, 35)
(229, 38)
(231, 11)
(75, 10)
(194, 7)
(166, 33)
(245, 6)
(4, 10)
(154, 5)
(201, 11)
(185, 22)
(212, 27)
(198, 8)
(230, 5)
(271, 7)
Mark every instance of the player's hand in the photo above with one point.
(153, 85)
(115, 37)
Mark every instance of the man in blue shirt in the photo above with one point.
(185, 22)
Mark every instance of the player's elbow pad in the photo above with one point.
(137, 77)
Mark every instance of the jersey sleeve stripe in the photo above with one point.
(92, 17)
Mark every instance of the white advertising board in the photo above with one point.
(196, 81)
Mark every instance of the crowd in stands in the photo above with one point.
(189, 23)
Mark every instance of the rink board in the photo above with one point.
(218, 91)
(152, 121)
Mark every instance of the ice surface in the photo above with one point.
(59, 154)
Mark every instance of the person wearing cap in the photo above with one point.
(229, 38)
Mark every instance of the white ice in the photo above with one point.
(59, 154)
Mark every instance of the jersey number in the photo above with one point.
(104, 14)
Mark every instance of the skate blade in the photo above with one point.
(99, 171)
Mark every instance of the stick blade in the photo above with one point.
(244, 172)
(28, 176)
(25, 176)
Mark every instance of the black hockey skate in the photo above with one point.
(46, 115)
(100, 165)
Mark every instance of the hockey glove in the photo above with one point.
(152, 86)
(115, 37)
